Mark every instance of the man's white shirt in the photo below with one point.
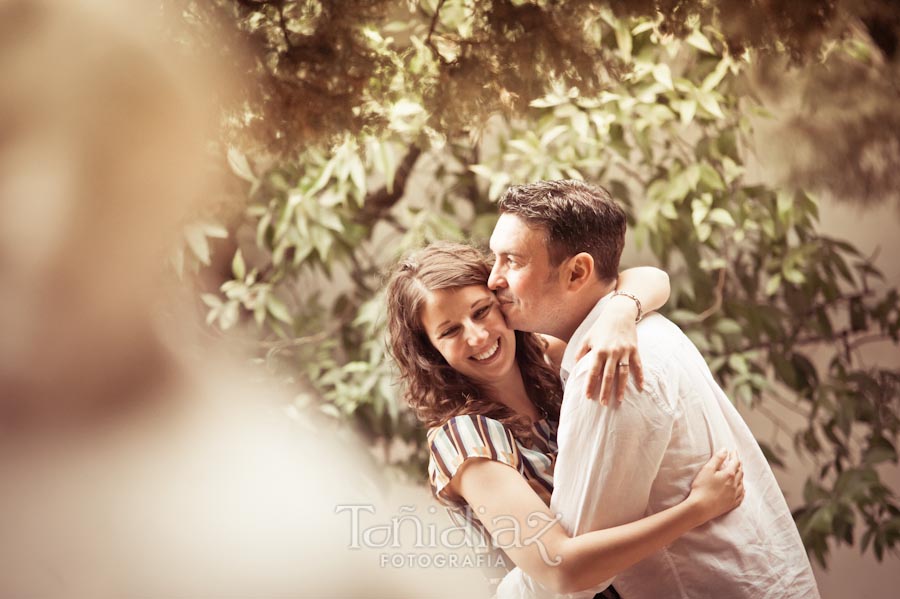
(622, 462)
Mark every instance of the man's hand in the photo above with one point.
(612, 346)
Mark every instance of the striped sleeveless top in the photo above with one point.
(475, 436)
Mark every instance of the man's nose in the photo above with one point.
(495, 280)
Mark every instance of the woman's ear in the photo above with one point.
(580, 271)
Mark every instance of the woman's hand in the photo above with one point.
(612, 345)
(719, 486)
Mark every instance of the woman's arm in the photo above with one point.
(524, 528)
(613, 338)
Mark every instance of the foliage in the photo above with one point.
(780, 310)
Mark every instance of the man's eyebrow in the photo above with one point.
(505, 252)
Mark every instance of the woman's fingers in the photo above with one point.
(608, 381)
(715, 462)
(595, 374)
(608, 374)
(637, 369)
(732, 464)
(622, 371)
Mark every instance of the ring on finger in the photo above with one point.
(623, 364)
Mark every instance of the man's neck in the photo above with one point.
(581, 305)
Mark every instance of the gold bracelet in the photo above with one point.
(637, 302)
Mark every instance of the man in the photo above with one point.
(557, 246)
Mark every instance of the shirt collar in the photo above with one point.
(569, 361)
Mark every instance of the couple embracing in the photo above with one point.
(664, 488)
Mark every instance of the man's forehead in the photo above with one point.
(513, 235)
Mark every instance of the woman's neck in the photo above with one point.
(511, 392)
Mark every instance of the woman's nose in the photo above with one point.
(476, 335)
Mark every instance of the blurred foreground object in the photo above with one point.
(126, 468)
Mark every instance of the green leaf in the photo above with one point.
(686, 110)
(710, 104)
(773, 284)
(822, 519)
(213, 301)
(728, 326)
(711, 81)
(551, 134)
(792, 275)
(699, 41)
(623, 39)
(238, 268)
(710, 177)
(663, 75)
(331, 220)
(358, 174)
(240, 166)
(771, 455)
(214, 230)
(499, 183)
(482, 171)
(196, 240)
(880, 450)
(722, 217)
(278, 309)
(858, 315)
(228, 315)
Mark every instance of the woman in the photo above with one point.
(491, 402)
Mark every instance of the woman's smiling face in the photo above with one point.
(468, 329)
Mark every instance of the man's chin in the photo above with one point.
(514, 319)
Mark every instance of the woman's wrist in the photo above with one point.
(625, 304)
(697, 511)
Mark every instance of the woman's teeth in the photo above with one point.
(489, 353)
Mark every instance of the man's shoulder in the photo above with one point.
(662, 345)
(656, 329)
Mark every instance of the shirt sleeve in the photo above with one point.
(465, 437)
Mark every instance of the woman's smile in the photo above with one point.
(487, 356)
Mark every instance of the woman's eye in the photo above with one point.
(449, 332)
(482, 312)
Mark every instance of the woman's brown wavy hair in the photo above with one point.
(433, 388)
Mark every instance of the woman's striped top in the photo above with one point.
(471, 436)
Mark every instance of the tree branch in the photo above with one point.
(813, 339)
(377, 204)
(430, 44)
(717, 302)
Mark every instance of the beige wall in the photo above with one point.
(849, 574)
(875, 228)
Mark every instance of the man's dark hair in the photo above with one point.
(575, 217)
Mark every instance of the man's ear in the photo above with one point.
(579, 271)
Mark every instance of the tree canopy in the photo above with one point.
(312, 69)
(362, 128)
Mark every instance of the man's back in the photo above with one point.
(618, 464)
